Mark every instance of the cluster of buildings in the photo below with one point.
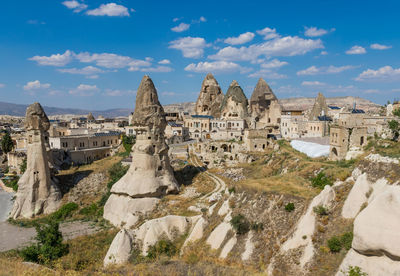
(224, 125)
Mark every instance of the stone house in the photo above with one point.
(176, 133)
(199, 126)
(343, 138)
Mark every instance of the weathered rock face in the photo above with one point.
(235, 103)
(150, 175)
(37, 191)
(261, 98)
(320, 108)
(210, 98)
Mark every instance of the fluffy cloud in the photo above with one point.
(2, 85)
(181, 27)
(215, 67)
(110, 9)
(356, 50)
(313, 70)
(241, 39)
(108, 60)
(273, 64)
(314, 32)
(84, 90)
(34, 85)
(54, 60)
(169, 94)
(157, 69)
(75, 5)
(282, 46)
(386, 73)
(117, 92)
(191, 47)
(313, 83)
(88, 70)
(377, 46)
(164, 61)
(268, 33)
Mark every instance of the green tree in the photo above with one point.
(7, 143)
(22, 167)
(128, 142)
(49, 245)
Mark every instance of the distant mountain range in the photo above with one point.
(289, 103)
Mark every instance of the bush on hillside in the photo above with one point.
(321, 180)
(49, 246)
(162, 247)
(289, 207)
(240, 224)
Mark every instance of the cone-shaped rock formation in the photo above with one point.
(37, 192)
(320, 107)
(210, 98)
(150, 175)
(261, 98)
(235, 102)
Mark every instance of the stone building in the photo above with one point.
(199, 126)
(210, 98)
(344, 138)
(176, 133)
(235, 103)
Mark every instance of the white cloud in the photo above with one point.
(181, 27)
(108, 60)
(35, 22)
(313, 83)
(356, 50)
(241, 39)
(191, 47)
(34, 85)
(54, 60)
(2, 85)
(273, 64)
(282, 46)
(75, 5)
(315, 32)
(84, 90)
(386, 73)
(267, 74)
(268, 33)
(202, 19)
(88, 70)
(176, 19)
(214, 67)
(313, 70)
(164, 61)
(55, 93)
(377, 46)
(110, 9)
(323, 53)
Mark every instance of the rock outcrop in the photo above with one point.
(376, 237)
(320, 108)
(150, 175)
(38, 192)
(235, 103)
(210, 98)
(261, 98)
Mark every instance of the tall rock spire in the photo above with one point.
(210, 98)
(150, 175)
(320, 107)
(261, 98)
(37, 192)
(235, 102)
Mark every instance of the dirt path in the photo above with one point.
(13, 237)
(6, 204)
(220, 185)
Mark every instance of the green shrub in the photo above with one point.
(346, 239)
(92, 210)
(162, 247)
(116, 172)
(231, 190)
(22, 167)
(289, 207)
(320, 181)
(12, 183)
(65, 211)
(128, 142)
(354, 271)
(320, 210)
(334, 244)
(7, 143)
(49, 245)
(240, 224)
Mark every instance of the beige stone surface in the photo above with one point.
(218, 235)
(376, 228)
(37, 191)
(120, 249)
(210, 98)
(228, 247)
(356, 197)
(235, 103)
(197, 232)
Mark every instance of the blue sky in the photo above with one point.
(93, 53)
